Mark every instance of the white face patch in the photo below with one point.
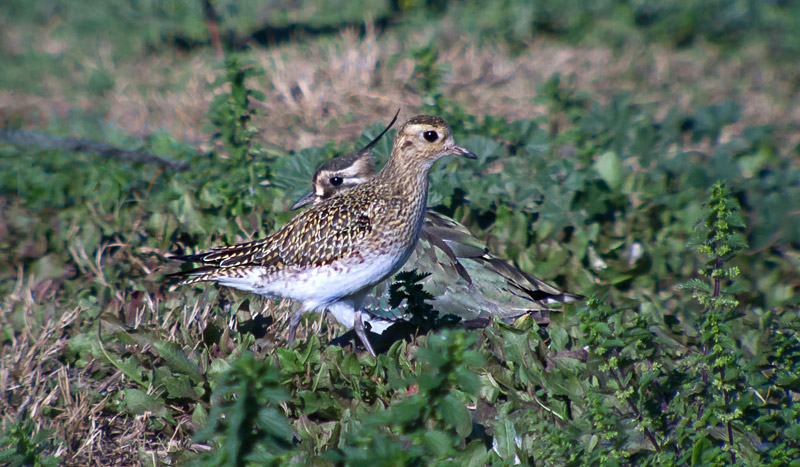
(361, 171)
(349, 172)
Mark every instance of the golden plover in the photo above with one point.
(331, 255)
(465, 279)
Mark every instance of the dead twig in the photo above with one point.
(30, 138)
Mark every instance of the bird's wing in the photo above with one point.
(458, 239)
(319, 236)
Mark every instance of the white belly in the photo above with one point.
(318, 288)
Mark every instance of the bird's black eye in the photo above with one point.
(430, 136)
(336, 181)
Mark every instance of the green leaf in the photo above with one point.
(129, 366)
(404, 411)
(592, 443)
(456, 415)
(559, 337)
(351, 365)
(609, 167)
(474, 455)
(736, 287)
(695, 284)
(436, 442)
(274, 422)
(177, 360)
(700, 451)
(515, 343)
(180, 388)
(504, 440)
(289, 361)
(199, 415)
(139, 402)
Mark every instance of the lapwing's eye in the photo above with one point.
(430, 136)
(336, 181)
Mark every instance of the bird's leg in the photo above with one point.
(294, 321)
(358, 326)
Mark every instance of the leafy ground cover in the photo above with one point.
(645, 157)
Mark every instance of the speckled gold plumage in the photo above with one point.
(366, 233)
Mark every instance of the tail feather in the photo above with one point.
(212, 266)
(195, 258)
(240, 254)
(375, 140)
(536, 289)
(195, 273)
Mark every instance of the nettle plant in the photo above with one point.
(688, 392)
(227, 187)
(628, 385)
(245, 162)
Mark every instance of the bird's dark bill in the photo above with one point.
(305, 200)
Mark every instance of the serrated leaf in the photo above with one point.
(180, 388)
(177, 360)
(737, 241)
(436, 442)
(274, 422)
(139, 402)
(695, 284)
(456, 415)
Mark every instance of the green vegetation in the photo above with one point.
(679, 221)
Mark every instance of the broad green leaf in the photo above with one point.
(177, 360)
(199, 415)
(474, 455)
(504, 440)
(180, 387)
(274, 422)
(609, 167)
(351, 365)
(558, 337)
(456, 415)
(139, 402)
(700, 451)
(436, 442)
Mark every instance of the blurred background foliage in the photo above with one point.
(603, 186)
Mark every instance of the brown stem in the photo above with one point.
(30, 138)
(212, 23)
(636, 412)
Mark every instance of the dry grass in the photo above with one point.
(81, 406)
(356, 81)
